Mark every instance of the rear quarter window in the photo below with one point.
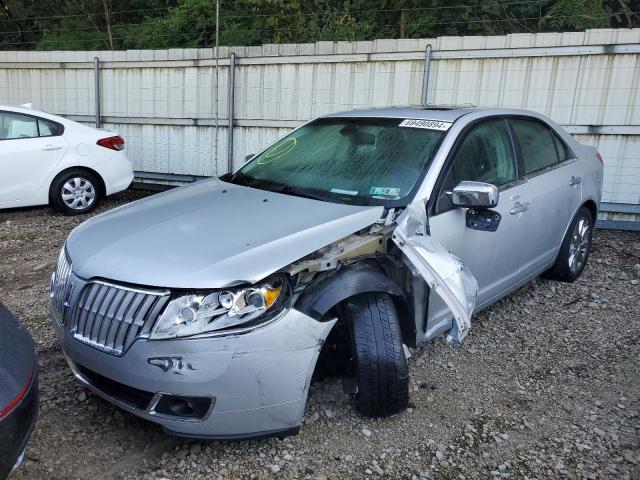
(564, 152)
(49, 129)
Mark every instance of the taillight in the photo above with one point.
(114, 143)
(18, 398)
(599, 157)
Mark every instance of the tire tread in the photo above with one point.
(382, 371)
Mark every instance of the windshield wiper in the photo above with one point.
(289, 190)
(242, 179)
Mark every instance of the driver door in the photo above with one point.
(484, 153)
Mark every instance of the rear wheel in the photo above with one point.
(74, 192)
(575, 248)
(382, 373)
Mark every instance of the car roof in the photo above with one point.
(443, 113)
(31, 111)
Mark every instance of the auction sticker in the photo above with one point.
(427, 124)
(385, 191)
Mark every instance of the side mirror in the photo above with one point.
(249, 157)
(475, 195)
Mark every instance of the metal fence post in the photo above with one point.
(425, 77)
(230, 105)
(96, 72)
(217, 102)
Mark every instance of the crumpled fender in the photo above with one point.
(445, 273)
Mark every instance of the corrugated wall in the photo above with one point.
(167, 104)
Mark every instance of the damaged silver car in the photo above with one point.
(208, 308)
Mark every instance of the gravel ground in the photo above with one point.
(546, 385)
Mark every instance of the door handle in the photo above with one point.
(519, 208)
(574, 181)
(51, 147)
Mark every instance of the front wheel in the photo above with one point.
(575, 248)
(75, 192)
(382, 372)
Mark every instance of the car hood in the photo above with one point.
(210, 234)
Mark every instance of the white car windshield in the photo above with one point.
(364, 161)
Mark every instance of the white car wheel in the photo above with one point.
(78, 193)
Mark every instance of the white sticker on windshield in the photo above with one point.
(344, 192)
(428, 124)
(385, 191)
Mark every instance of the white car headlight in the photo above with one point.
(197, 313)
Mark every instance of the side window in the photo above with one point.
(563, 151)
(14, 125)
(537, 144)
(49, 129)
(485, 155)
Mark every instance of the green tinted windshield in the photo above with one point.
(367, 161)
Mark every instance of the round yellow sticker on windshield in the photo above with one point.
(277, 151)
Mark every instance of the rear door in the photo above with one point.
(552, 188)
(30, 148)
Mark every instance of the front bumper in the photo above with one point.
(257, 381)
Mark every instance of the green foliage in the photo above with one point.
(122, 24)
(576, 15)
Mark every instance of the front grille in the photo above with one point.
(61, 288)
(111, 317)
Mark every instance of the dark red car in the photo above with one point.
(18, 390)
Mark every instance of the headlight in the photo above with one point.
(201, 313)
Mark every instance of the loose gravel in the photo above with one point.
(546, 385)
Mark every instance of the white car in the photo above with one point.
(47, 159)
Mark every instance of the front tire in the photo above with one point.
(75, 192)
(382, 372)
(575, 248)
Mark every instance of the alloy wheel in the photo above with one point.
(579, 246)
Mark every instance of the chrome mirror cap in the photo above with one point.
(475, 195)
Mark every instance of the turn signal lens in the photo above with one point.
(271, 294)
(599, 157)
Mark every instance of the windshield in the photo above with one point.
(364, 161)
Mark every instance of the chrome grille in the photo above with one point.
(61, 288)
(111, 317)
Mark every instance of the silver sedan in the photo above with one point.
(208, 308)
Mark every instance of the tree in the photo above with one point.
(121, 24)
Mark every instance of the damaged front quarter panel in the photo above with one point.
(445, 273)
